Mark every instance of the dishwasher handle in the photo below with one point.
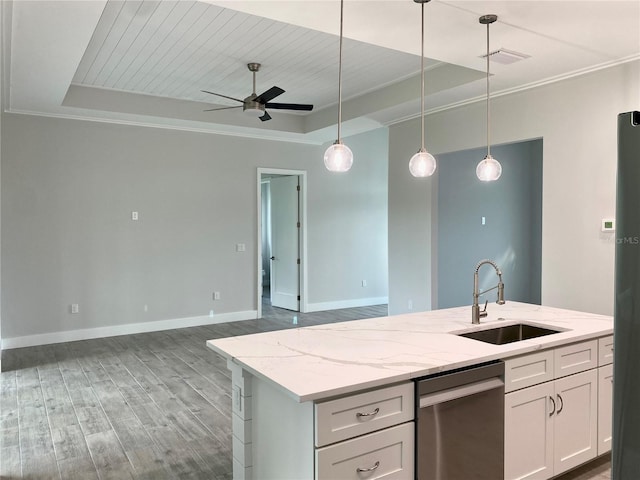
(460, 392)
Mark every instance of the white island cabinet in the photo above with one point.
(366, 435)
(605, 394)
(337, 401)
(557, 409)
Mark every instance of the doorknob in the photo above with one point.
(273, 258)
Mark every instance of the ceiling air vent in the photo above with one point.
(505, 56)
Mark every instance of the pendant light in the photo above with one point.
(489, 169)
(422, 164)
(338, 157)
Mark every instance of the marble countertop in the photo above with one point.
(318, 362)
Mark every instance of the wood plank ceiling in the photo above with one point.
(176, 48)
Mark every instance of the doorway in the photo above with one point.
(281, 252)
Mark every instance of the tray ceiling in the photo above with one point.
(145, 61)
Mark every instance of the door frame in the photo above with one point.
(302, 175)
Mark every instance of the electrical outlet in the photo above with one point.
(240, 247)
(216, 295)
(134, 216)
(236, 394)
(74, 308)
(410, 305)
(364, 283)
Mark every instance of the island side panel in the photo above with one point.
(283, 433)
(241, 407)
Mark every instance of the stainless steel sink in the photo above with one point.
(509, 333)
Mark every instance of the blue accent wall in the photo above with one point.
(511, 235)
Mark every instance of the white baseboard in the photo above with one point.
(127, 329)
(358, 302)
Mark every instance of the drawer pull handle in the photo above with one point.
(370, 469)
(561, 404)
(370, 414)
(554, 406)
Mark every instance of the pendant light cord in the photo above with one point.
(422, 79)
(488, 103)
(340, 73)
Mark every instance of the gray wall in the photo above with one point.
(412, 223)
(349, 221)
(68, 190)
(511, 235)
(576, 118)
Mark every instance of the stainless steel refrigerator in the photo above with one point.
(626, 373)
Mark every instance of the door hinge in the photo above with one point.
(298, 187)
(298, 262)
(298, 297)
(298, 224)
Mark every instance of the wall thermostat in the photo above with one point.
(608, 225)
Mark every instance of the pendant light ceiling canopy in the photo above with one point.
(489, 169)
(338, 157)
(422, 164)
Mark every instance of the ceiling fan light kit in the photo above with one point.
(338, 157)
(489, 169)
(256, 105)
(422, 164)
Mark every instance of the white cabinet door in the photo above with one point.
(529, 433)
(605, 408)
(576, 420)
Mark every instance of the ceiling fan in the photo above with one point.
(257, 104)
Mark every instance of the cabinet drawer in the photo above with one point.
(387, 454)
(575, 358)
(347, 417)
(528, 370)
(605, 350)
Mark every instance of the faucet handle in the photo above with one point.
(483, 312)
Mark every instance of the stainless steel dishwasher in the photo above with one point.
(460, 424)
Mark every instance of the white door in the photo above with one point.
(576, 420)
(285, 244)
(528, 442)
(605, 408)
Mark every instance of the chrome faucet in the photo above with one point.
(476, 313)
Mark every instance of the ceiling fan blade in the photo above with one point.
(223, 96)
(265, 117)
(221, 108)
(290, 106)
(270, 94)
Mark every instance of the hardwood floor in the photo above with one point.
(148, 406)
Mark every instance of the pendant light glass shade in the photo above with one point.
(489, 169)
(338, 157)
(422, 164)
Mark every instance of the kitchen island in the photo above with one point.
(281, 378)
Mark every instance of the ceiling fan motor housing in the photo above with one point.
(252, 106)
